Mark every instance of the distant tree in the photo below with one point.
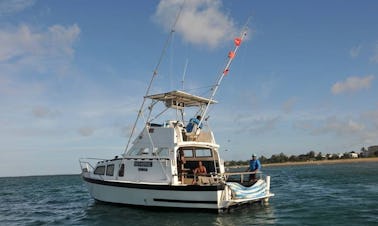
(311, 154)
(263, 159)
(278, 158)
(240, 163)
(335, 156)
(231, 163)
(319, 156)
(274, 159)
(303, 157)
(283, 157)
(293, 158)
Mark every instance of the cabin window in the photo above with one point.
(203, 152)
(100, 170)
(188, 153)
(110, 170)
(121, 171)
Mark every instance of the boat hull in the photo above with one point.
(209, 197)
(190, 196)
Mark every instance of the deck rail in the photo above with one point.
(86, 164)
(241, 176)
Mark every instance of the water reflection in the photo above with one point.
(255, 214)
(99, 214)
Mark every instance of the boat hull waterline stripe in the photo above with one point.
(185, 201)
(157, 187)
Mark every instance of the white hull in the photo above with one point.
(210, 197)
(160, 196)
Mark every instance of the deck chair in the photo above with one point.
(192, 136)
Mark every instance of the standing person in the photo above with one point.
(254, 167)
(193, 121)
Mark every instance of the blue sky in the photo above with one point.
(73, 73)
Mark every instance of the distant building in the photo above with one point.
(364, 153)
(369, 152)
(352, 155)
(372, 150)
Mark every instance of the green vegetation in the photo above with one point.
(310, 156)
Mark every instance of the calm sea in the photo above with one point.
(340, 194)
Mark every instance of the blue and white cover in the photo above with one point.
(256, 191)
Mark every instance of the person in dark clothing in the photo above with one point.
(193, 121)
(254, 167)
(180, 164)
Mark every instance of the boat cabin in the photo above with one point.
(165, 153)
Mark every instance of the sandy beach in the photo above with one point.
(335, 161)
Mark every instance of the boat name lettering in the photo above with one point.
(142, 164)
(142, 169)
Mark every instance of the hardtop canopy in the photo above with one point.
(182, 99)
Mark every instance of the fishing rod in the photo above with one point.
(154, 74)
(231, 56)
(184, 73)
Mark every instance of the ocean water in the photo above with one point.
(339, 194)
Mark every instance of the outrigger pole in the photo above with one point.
(231, 55)
(167, 42)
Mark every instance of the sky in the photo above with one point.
(73, 74)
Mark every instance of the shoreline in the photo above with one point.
(319, 162)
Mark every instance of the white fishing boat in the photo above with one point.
(157, 169)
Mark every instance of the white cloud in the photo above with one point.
(14, 6)
(21, 43)
(355, 51)
(352, 84)
(341, 127)
(26, 52)
(202, 22)
(361, 130)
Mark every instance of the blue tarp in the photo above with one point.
(256, 191)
